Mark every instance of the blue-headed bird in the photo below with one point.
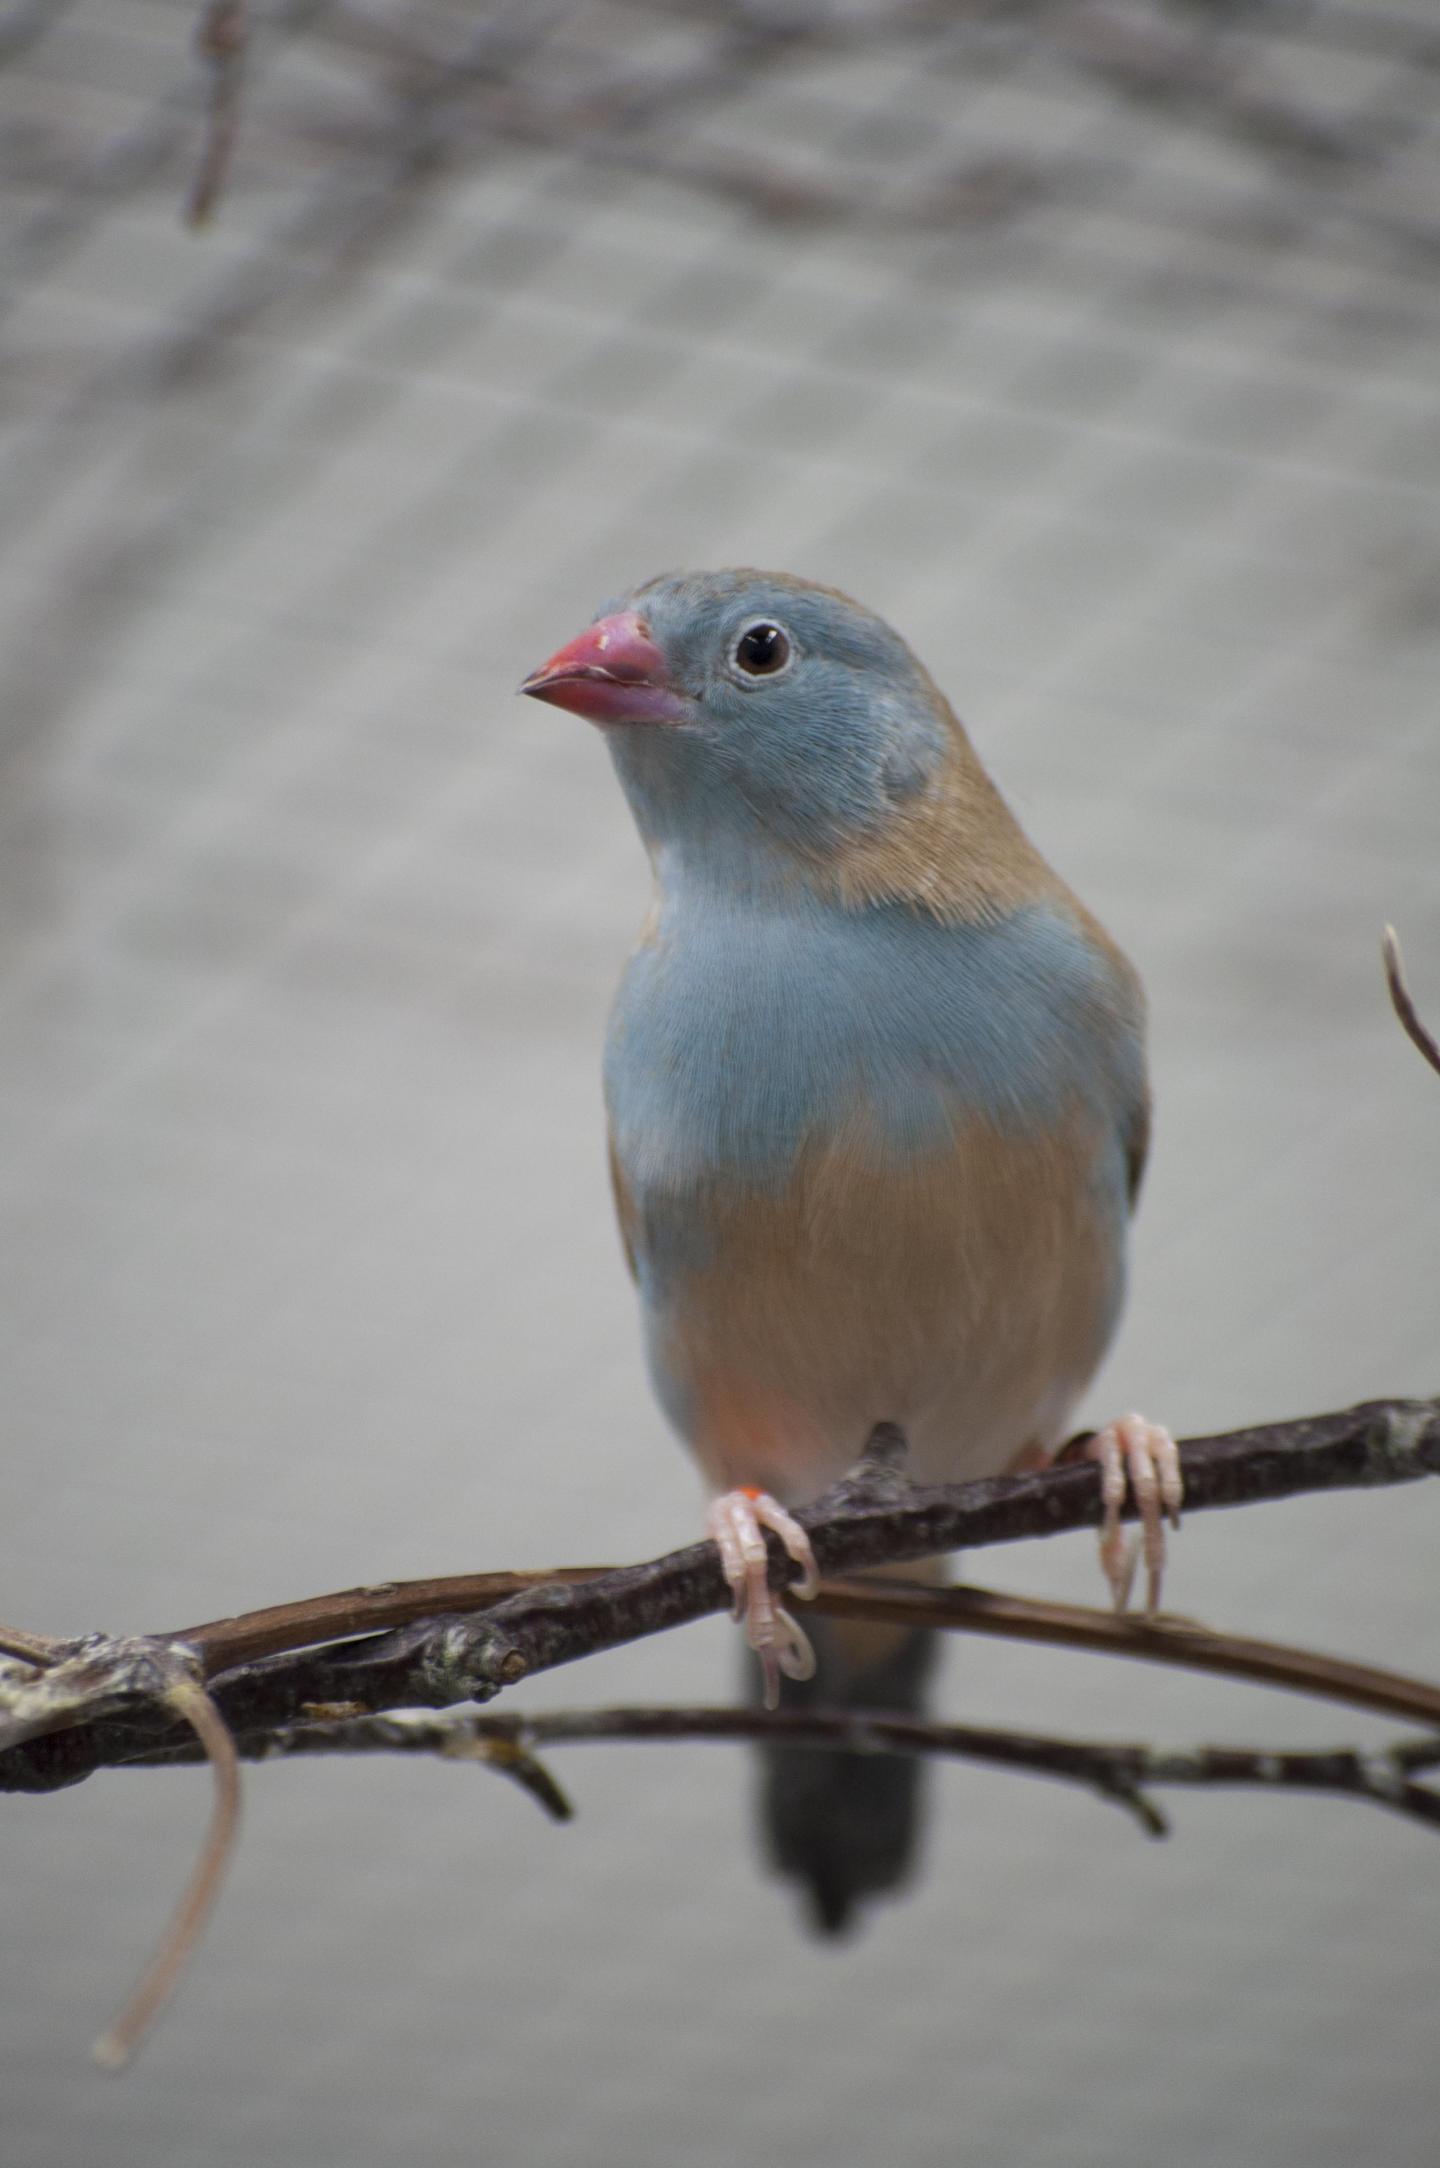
(878, 1115)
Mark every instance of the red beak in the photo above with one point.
(614, 673)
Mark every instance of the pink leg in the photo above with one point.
(1146, 1455)
(735, 1522)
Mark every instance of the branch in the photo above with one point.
(1120, 1773)
(69, 1707)
(1181, 1642)
(527, 1624)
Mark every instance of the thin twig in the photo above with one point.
(188, 1700)
(220, 40)
(1166, 1639)
(514, 1759)
(1403, 1005)
(36, 1649)
(373, 1608)
(1120, 1773)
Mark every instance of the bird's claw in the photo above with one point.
(736, 1523)
(1144, 1456)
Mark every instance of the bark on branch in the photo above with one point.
(93, 1703)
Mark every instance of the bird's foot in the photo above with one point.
(1144, 1455)
(736, 1522)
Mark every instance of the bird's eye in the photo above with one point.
(762, 649)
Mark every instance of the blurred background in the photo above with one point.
(1095, 345)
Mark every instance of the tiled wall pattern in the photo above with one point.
(1098, 347)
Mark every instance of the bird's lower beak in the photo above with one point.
(614, 673)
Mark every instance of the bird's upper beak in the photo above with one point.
(613, 673)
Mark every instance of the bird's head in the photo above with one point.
(753, 709)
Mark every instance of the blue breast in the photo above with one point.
(752, 1027)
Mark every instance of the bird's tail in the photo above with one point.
(846, 1826)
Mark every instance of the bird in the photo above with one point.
(878, 1113)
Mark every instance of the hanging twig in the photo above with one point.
(48, 1685)
(188, 1700)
